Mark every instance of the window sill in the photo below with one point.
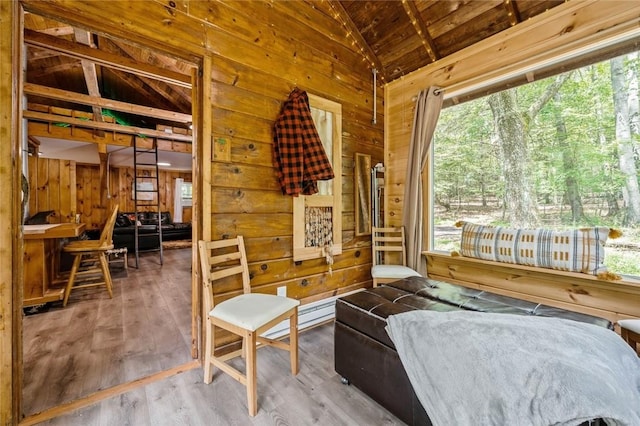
(626, 280)
(584, 293)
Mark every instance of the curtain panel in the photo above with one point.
(425, 119)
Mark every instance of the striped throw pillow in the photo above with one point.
(577, 250)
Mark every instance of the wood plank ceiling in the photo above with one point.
(55, 54)
(408, 34)
(396, 37)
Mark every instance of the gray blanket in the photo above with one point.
(472, 368)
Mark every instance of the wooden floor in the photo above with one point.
(95, 343)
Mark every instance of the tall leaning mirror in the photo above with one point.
(362, 189)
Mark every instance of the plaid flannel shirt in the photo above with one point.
(298, 153)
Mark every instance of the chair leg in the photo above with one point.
(631, 338)
(293, 342)
(252, 392)
(72, 277)
(208, 352)
(107, 274)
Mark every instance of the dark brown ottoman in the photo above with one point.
(366, 357)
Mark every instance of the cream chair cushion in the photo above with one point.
(631, 325)
(241, 310)
(392, 271)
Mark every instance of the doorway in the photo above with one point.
(150, 325)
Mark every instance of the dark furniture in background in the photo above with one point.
(39, 218)
(366, 357)
(124, 231)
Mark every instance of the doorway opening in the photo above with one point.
(87, 96)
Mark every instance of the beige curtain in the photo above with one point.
(426, 115)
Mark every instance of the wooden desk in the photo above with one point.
(42, 259)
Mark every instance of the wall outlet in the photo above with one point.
(282, 291)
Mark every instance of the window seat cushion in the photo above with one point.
(578, 250)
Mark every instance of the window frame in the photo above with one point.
(467, 91)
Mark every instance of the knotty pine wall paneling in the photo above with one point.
(52, 185)
(120, 190)
(258, 51)
(249, 86)
(67, 189)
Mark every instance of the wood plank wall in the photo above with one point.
(259, 52)
(68, 188)
(121, 184)
(10, 217)
(249, 87)
(52, 186)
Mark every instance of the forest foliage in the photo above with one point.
(559, 153)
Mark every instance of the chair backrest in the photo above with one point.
(106, 236)
(387, 241)
(220, 259)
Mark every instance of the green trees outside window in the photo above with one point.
(558, 153)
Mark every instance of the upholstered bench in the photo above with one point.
(366, 357)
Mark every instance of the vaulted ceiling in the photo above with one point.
(402, 36)
(397, 37)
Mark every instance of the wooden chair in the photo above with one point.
(630, 332)
(385, 243)
(247, 315)
(91, 250)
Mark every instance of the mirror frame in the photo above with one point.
(333, 201)
(362, 193)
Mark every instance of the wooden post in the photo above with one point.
(10, 185)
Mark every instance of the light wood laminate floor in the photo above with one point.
(94, 344)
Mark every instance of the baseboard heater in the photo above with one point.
(308, 315)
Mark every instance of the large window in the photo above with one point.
(186, 193)
(558, 153)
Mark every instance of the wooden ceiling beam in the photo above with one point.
(45, 130)
(90, 72)
(76, 50)
(152, 89)
(175, 96)
(58, 31)
(34, 54)
(421, 28)
(512, 12)
(64, 95)
(89, 124)
(354, 33)
(43, 72)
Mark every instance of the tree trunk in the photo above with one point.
(569, 169)
(611, 196)
(621, 97)
(520, 204)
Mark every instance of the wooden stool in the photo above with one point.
(630, 332)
